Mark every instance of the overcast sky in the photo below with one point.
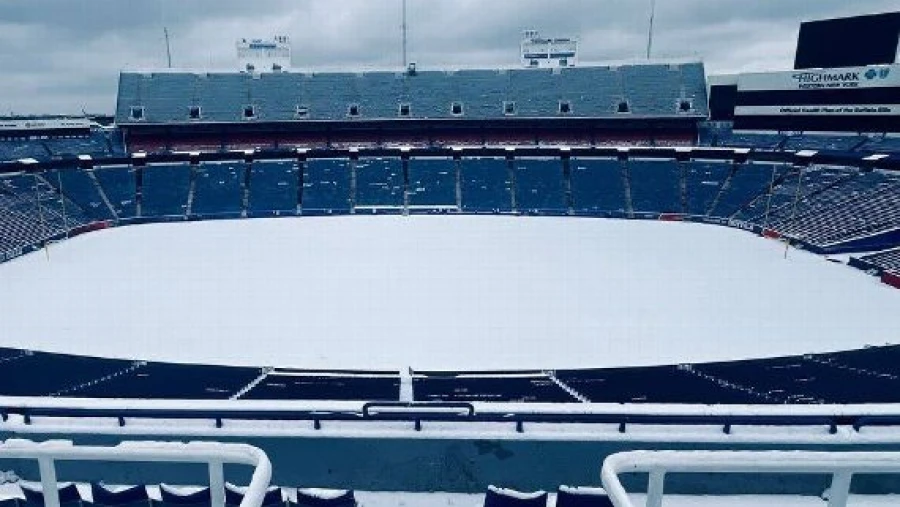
(62, 56)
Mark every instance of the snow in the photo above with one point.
(437, 292)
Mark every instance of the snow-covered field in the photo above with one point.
(451, 292)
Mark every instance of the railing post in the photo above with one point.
(48, 482)
(840, 489)
(655, 486)
(217, 483)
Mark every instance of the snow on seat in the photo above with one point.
(503, 497)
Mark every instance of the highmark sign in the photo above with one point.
(854, 77)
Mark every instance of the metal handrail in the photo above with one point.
(214, 454)
(452, 412)
(840, 465)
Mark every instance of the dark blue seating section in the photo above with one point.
(837, 209)
(432, 184)
(486, 185)
(82, 189)
(379, 183)
(273, 188)
(655, 186)
(598, 186)
(746, 183)
(218, 189)
(118, 182)
(870, 375)
(234, 496)
(805, 380)
(43, 374)
(703, 181)
(311, 385)
(165, 190)
(512, 387)
(886, 261)
(540, 186)
(172, 381)
(31, 212)
(657, 384)
(866, 206)
(326, 186)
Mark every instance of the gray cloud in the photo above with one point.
(60, 56)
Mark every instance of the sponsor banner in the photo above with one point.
(819, 110)
(873, 76)
(49, 124)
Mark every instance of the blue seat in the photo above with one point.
(325, 498)
(68, 495)
(234, 496)
(134, 496)
(499, 497)
(582, 497)
(172, 496)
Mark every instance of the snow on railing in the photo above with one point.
(214, 454)
(840, 465)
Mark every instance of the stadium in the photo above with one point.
(415, 285)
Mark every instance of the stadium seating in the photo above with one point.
(870, 375)
(379, 183)
(651, 89)
(32, 212)
(306, 385)
(81, 187)
(273, 188)
(118, 183)
(703, 181)
(512, 387)
(326, 186)
(887, 261)
(746, 183)
(171, 381)
(41, 374)
(655, 186)
(539, 186)
(485, 185)
(432, 184)
(598, 186)
(165, 190)
(661, 384)
(218, 189)
(867, 206)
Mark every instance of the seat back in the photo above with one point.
(499, 497)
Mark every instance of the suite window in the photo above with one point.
(565, 107)
(353, 110)
(509, 108)
(623, 107)
(404, 110)
(302, 112)
(249, 112)
(685, 106)
(137, 113)
(456, 109)
(194, 112)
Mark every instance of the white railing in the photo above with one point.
(214, 454)
(840, 465)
